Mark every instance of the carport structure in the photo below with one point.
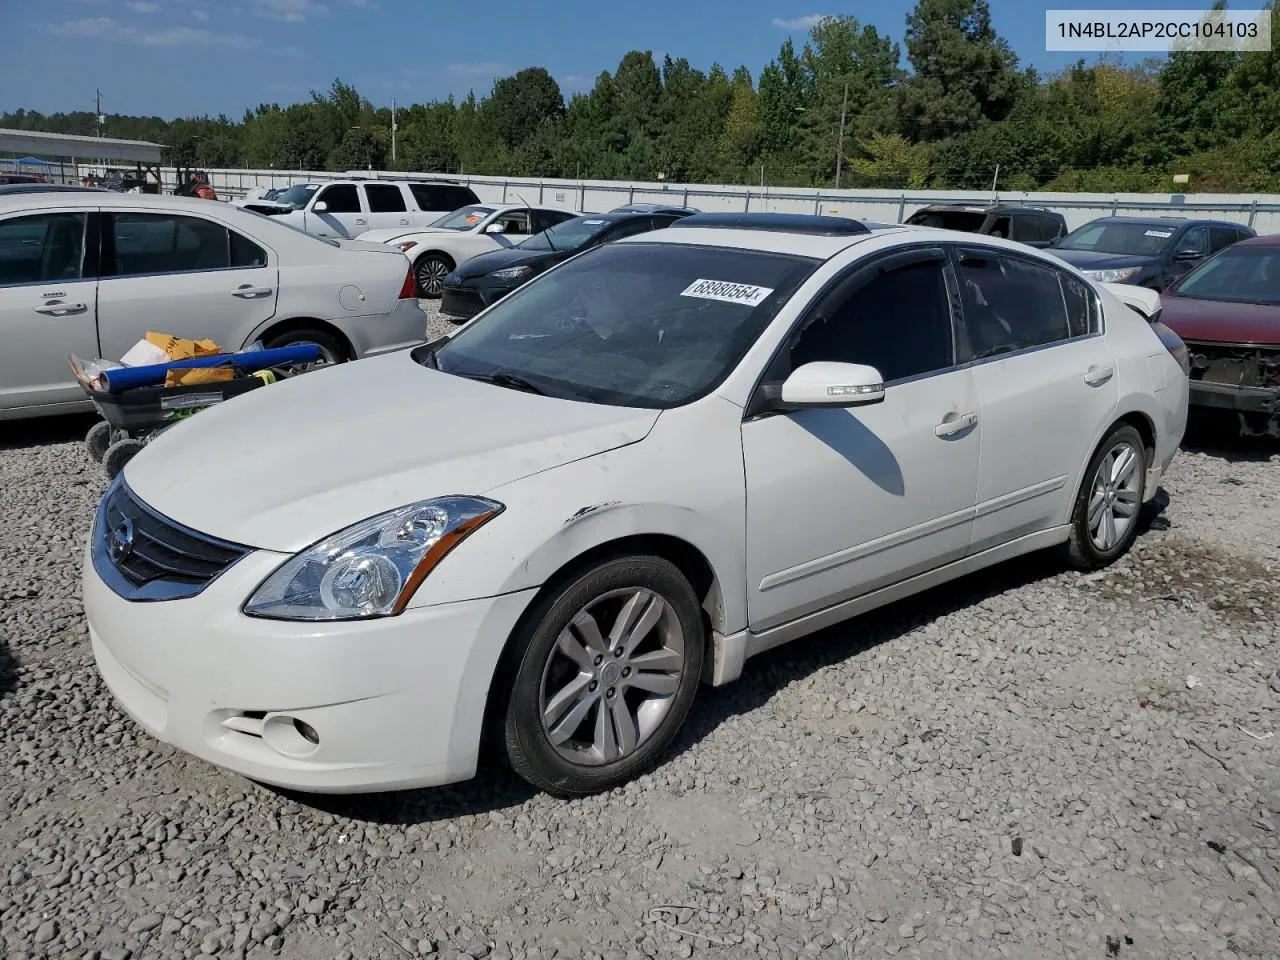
(143, 155)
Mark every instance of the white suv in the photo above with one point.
(346, 208)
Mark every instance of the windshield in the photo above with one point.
(969, 221)
(1134, 239)
(567, 235)
(1237, 275)
(630, 324)
(297, 195)
(468, 218)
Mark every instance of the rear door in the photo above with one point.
(181, 274)
(48, 292)
(1046, 385)
(344, 213)
(386, 206)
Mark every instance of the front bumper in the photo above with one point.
(463, 300)
(405, 326)
(394, 703)
(1225, 396)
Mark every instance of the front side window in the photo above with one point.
(147, 243)
(1195, 240)
(899, 323)
(42, 248)
(384, 198)
(638, 325)
(340, 198)
(1011, 304)
(542, 219)
(513, 222)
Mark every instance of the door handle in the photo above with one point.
(361, 221)
(404, 221)
(953, 423)
(56, 308)
(1096, 375)
(248, 292)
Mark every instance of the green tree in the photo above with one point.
(889, 159)
(965, 72)
(520, 105)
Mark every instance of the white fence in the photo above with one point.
(1260, 211)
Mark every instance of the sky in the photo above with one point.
(175, 58)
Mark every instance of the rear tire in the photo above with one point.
(591, 708)
(1105, 519)
(331, 351)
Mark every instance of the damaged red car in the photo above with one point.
(1228, 312)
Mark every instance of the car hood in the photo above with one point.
(368, 246)
(1089, 260)
(284, 466)
(511, 257)
(1219, 321)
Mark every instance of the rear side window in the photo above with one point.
(384, 198)
(636, 226)
(460, 197)
(443, 197)
(1026, 228)
(246, 253)
(548, 218)
(1050, 227)
(1011, 304)
(341, 198)
(41, 248)
(1082, 306)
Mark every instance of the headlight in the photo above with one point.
(407, 245)
(370, 569)
(1111, 276)
(511, 273)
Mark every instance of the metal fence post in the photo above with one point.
(686, 196)
(746, 206)
(1115, 205)
(631, 194)
(1253, 212)
(902, 207)
(582, 198)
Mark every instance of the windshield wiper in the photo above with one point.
(509, 380)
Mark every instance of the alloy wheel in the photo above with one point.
(1116, 495)
(612, 676)
(431, 273)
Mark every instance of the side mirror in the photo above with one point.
(320, 207)
(493, 228)
(828, 384)
(1188, 254)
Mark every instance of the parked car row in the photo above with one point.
(658, 458)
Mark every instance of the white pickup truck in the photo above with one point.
(347, 208)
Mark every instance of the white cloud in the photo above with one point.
(290, 11)
(800, 23)
(478, 69)
(105, 28)
(200, 15)
(142, 6)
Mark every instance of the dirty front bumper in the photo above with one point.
(1227, 396)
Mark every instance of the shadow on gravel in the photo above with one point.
(8, 670)
(42, 431)
(1218, 436)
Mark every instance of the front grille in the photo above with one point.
(146, 556)
(460, 302)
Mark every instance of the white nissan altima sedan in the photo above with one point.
(655, 461)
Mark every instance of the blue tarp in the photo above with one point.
(32, 162)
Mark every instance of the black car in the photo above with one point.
(8, 189)
(1149, 252)
(482, 280)
(1033, 226)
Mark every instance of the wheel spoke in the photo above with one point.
(664, 660)
(625, 724)
(663, 683)
(1123, 468)
(1125, 507)
(584, 624)
(1095, 510)
(566, 700)
(606, 740)
(637, 617)
(1108, 529)
(572, 648)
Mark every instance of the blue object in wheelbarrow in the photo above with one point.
(130, 378)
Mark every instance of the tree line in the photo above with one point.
(842, 107)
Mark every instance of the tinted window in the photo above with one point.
(1050, 227)
(428, 197)
(1082, 306)
(246, 253)
(970, 221)
(1197, 239)
(1135, 239)
(1220, 237)
(645, 325)
(164, 243)
(41, 248)
(456, 197)
(542, 219)
(1010, 304)
(341, 198)
(568, 235)
(1000, 228)
(639, 225)
(1026, 228)
(899, 323)
(384, 198)
(1248, 274)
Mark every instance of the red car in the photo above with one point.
(1228, 312)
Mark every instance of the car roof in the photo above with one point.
(985, 208)
(1268, 240)
(1166, 222)
(9, 189)
(817, 246)
(48, 198)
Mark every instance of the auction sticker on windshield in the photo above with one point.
(743, 293)
(1159, 233)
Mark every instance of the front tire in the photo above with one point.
(1104, 522)
(607, 673)
(331, 351)
(429, 272)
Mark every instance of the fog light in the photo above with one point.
(307, 731)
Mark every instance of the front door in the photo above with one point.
(1046, 383)
(843, 501)
(183, 275)
(343, 216)
(47, 307)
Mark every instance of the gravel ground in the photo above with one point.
(1018, 765)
